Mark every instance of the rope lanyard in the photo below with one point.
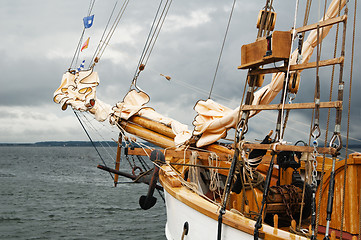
(336, 140)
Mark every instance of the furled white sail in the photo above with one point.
(134, 103)
(77, 89)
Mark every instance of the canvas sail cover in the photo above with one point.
(214, 120)
(134, 103)
(77, 89)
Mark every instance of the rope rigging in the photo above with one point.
(280, 124)
(92, 142)
(221, 52)
(105, 38)
(101, 39)
(77, 50)
(241, 126)
(155, 29)
(130, 141)
(348, 125)
(104, 43)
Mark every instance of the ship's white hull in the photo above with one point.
(200, 225)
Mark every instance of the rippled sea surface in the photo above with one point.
(58, 193)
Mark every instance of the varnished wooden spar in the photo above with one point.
(154, 126)
(179, 154)
(162, 136)
(160, 139)
(148, 135)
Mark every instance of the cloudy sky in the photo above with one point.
(39, 37)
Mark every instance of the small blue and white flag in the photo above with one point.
(88, 21)
(81, 67)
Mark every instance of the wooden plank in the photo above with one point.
(279, 147)
(335, 104)
(352, 189)
(325, 23)
(296, 67)
(198, 165)
(177, 154)
(322, 63)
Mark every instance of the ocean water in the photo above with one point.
(58, 193)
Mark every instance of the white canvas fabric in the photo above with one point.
(78, 89)
(134, 103)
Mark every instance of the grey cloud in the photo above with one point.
(39, 38)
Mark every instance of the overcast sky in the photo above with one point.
(39, 37)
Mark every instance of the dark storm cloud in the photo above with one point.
(39, 38)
